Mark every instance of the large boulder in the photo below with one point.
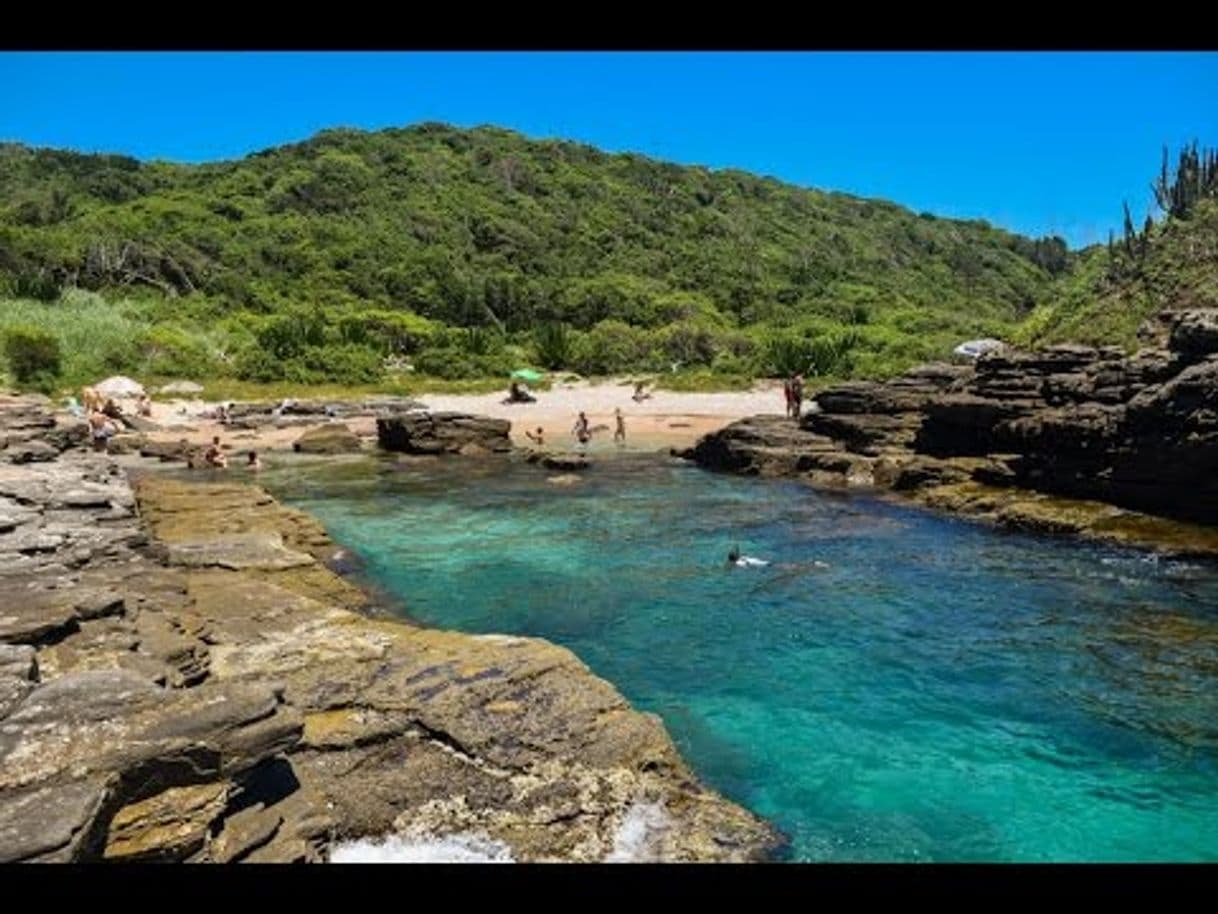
(119, 387)
(770, 445)
(443, 433)
(1194, 334)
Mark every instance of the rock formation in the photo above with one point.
(443, 433)
(1087, 425)
(182, 678)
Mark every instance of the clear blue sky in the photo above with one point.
(1036, 142)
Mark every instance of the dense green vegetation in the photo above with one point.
(33, 355)
(355, 257)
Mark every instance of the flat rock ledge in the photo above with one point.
(183, 679)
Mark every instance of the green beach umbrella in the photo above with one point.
(527, 374)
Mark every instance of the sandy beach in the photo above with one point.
(665, 419)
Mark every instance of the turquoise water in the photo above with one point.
(939, 692)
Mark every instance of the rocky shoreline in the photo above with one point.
(1067, 440)
(182, 677)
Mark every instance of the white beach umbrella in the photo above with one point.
(119, 388)
(974, 348)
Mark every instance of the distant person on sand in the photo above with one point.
(797, 396)
(253, 464)
(619, 434)
(537, 438)
(786, 395)
(582, 433)
(214, 456)
(519, 393)
(639, 393)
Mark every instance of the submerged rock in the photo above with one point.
(328, 439)
(553, 460)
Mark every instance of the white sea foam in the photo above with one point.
(634, 840)
(458, 848)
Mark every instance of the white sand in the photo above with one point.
(665, 419)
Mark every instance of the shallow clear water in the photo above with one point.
(940, 692)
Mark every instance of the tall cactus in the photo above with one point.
(1196, 177)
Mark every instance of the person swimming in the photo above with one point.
(734, 558)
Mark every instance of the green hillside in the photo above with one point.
(461, 253)
(1108, 295)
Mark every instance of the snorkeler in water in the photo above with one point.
(734, 558)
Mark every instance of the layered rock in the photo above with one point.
(1139, 432)
(310, 412)
(443, 433)
(193, 683)
(29, 432)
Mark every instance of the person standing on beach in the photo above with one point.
(581, 431)
(786, 395)
(797, 396)
(619, 436)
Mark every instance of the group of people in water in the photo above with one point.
(215, 458)
(582, 430)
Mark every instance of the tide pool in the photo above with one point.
(940, 692)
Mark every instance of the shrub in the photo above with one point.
(821, 355)
(169, 350)
(688, 344)
(338, 364)
(33, 355)
(553, 343)
(612, 346)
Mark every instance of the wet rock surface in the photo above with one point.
(1085, 424)
(565, 461)
(183, 679)
(328, 439)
